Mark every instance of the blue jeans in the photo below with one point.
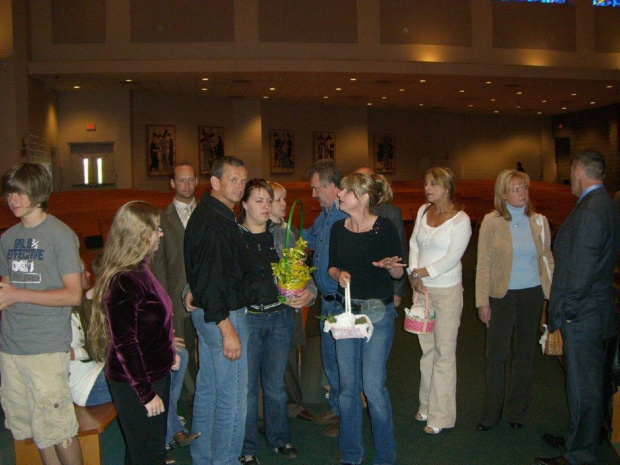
(268, 347)
(361, 366)
(99, 393)
(220, 402)
(328, 356)
(176, 384)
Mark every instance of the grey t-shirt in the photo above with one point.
(37, 258)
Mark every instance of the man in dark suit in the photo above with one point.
(169, 265)
(395, 215)
(582, 305)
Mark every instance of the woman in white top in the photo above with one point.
(440, 237)
(86, 377)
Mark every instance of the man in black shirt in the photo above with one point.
(213, 251)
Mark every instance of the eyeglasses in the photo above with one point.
(521, 188)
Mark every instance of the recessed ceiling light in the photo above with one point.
(422, 80)
(265, 96)
(592, 103)
(543, 101)
(539, 113)
(519, 93)
(128, 80)
(272, 88)
(205, 79)
(470, 105)
(496, 112)
(493, 100)
(488, 82)
(401, 90)
(383, 98)
(610, 87)
(338, 88)
(573, 94)
(76, 87)
(353, 79)
(420, 104)
(563, 108)
(369, 104)
(518, 106)
(326, 96)
(462, 91)
(204, 88)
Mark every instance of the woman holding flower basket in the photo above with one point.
(365, 254)
(270, 322)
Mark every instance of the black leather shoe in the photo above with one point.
(552, 461)
(481, 427)
(516, 425)
(554, 441)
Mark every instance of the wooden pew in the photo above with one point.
(92, 420)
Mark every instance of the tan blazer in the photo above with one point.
(495, 256)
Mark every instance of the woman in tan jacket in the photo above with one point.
(513, 277)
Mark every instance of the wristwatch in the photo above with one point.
(414, 273)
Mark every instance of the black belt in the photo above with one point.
(356, 304)
(269, 308)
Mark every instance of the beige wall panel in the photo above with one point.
(431, 22)
(607, 30)
(78, 21)
(493, 143)
(321, 21)
(534, 26)
(182, 21)
(43, 112)
(349, 124)
(186, 114)
(110, 112)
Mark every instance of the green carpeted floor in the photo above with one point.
(462, 445)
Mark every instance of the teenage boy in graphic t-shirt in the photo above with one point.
(40, 269)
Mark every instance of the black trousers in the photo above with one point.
(145, 437)
(514, 318)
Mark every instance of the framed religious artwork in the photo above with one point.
(383, 153)
(161, 150)
(324, 145)
(281, 151)
(210, 146)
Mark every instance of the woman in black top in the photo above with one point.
(270, 325)
(365, 251)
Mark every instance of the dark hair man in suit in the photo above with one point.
(582, 305)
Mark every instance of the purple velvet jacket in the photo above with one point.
(139, 315)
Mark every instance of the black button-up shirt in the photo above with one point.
(213, 249)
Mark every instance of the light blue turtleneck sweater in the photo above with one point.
(524, 273)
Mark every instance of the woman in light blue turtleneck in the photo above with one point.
(513, 277)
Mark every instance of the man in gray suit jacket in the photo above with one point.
(169, 263)
(582, 305)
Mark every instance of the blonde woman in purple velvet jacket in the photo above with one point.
(131, 330)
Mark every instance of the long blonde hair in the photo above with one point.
(129, 242)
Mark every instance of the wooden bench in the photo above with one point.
(92, 420)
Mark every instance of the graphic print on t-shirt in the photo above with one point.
(23, 256)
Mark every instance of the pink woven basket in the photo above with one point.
(418, 325)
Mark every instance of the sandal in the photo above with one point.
(421, 416)
(432, 430)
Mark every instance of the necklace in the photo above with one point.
(517, 223)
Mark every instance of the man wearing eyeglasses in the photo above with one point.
(213, 260)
